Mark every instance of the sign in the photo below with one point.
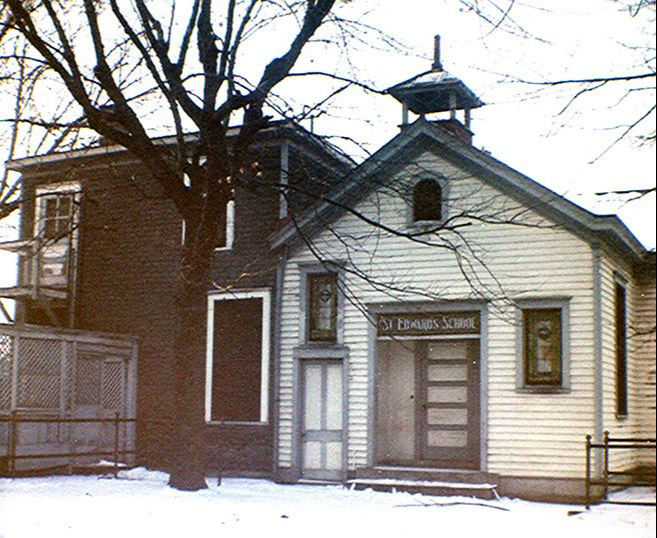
(429, 323)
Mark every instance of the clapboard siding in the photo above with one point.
(529, 434)
(644, 353)
(640, 420)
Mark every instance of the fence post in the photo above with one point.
(71, 448)
(13, 442)
(606, 464)
(117, 424)
(588, 472)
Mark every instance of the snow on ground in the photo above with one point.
(140, 504)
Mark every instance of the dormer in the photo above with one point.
(438, 92)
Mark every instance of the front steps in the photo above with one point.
(436, 482)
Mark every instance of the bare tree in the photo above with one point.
(108, 76)
(636, 81)
(186, 60)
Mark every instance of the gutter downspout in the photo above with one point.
(598, 391)
(278, 308)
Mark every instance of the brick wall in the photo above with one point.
(129, 244)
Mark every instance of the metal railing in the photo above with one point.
(116, 452)
(608, 480)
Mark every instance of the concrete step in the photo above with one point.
(482, 490)
(426, 474)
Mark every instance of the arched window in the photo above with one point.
(427, 201)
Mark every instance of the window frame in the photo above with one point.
(314, 334)
(443, 186)
(621, 350)
(230, 227)
(43, 193)
(523, 384)
(312, 269)
(265, 361)
(440, 204)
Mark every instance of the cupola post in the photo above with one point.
(438, 92)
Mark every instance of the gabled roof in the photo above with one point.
(425, 136)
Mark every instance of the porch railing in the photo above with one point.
(611, 479)
(118, 452)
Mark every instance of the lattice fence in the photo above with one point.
(41, 366)
(113, 385)
(87, 381)
(6, 370)
(60, 380)
(61, 375)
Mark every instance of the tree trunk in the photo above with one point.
(189, 458)
(188, 466)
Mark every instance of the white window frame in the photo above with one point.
(213, 298)
(55, 189)
(230, 227)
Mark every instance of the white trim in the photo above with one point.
(265, 295)
(44, 191)
(230, 227)
(70, 241)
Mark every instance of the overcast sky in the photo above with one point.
(521, 124)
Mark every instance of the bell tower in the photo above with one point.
(438, 92)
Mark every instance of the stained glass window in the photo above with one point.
(323, 294)
(543, 349)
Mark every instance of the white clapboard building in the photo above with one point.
(444, 320)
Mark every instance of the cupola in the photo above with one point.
(435, 92)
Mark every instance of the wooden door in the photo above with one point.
(322, 446)
(449, 404)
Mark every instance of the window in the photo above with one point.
(427, 201)
(323, 307)
(56, 220)
(237, 375)
(543, 349)
(621, 350)
(56, 214)
(226, 236)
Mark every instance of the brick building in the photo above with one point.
(116, 272)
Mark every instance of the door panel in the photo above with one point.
(396, 403)
(448, 406)
(322, 425)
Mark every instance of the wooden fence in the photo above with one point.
(65, 387)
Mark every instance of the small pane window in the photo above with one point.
(57, 216)
(323, 294)
(543, 347)
(427, 201)
(621, 351)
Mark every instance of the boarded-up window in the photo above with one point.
(621, 351)
(237, 360)
(323, 307)
(427, 201)
(543, 346)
